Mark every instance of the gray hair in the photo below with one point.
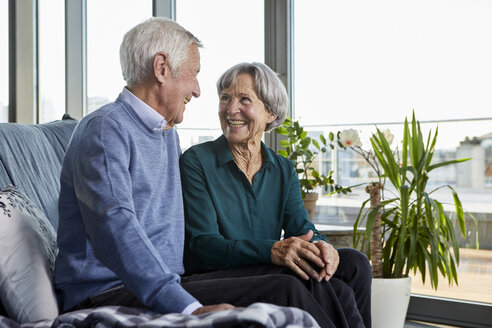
(268, 87)
(142, 42)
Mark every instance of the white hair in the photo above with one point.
(142, 42)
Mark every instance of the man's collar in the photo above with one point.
(152, 119)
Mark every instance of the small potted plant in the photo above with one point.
(303, 150)
(406, 230)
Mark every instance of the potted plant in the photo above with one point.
(407, 230)
(303, 150)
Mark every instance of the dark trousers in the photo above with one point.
(343, 301)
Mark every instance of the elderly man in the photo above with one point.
(121, 229)
(121, 209)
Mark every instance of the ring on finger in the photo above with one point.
(298, 260)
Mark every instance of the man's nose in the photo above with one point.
(196, 91)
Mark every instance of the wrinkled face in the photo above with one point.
(243, 116)
(179, 90)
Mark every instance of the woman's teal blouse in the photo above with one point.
(230, 222)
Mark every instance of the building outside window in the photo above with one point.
(51, 51)
(228, 39)
(4, 61)
(359, 64)
(107, 23)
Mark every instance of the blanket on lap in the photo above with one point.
(255, 315)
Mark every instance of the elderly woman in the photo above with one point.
(239, 196)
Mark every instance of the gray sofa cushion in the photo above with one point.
(31, 158)
(4, 178)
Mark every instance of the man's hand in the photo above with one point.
(297, 253)
(213, 308)
(330, 257)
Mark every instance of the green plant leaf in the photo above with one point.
(459, 212)
(400, 257)
(421, 258)
(357, 225)
(455, 161)
(430, 149)
(284, 143)
(282, 130)
(404, 151)
(386, 160)
(414, 143)
(306, 142)
(282, 153)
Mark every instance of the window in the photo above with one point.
(380, 59)
(4, 61)
(107, 23)
(359, 63)
(231, 32)
(51, 69)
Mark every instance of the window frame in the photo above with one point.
(12, 116)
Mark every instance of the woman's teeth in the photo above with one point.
(236, 123)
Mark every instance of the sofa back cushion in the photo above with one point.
(30, 159)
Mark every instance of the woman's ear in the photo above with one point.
(161, 66)
(271, 117)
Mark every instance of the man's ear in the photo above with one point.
(161, 66)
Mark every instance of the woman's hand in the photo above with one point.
(297, 253)
(330, 257)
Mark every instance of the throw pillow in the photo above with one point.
(27, 255)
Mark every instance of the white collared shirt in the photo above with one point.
(151, 118)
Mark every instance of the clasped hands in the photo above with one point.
(298, 254)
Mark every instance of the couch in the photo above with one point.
(30, 163)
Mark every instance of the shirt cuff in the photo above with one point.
(192, 307)
(318, 237)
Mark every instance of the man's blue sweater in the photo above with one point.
(121, 211)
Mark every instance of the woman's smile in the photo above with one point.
(236, 123)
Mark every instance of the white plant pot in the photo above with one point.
(389, 302)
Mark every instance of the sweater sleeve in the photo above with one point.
(103, 187)
(204, 237)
